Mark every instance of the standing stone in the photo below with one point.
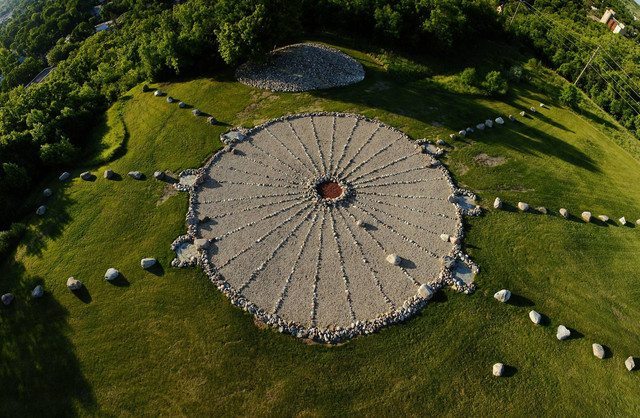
(564, 213)
(425, 291)
(598, 350)
(512, 118)
(523, 113)
(502, 295)
(146, 263)
(563, 333)
(64, 176)
(488, 123)
(108, 174)
(586, 216)
(170, 99)
(86, 176)
(158, 175)
(111, 274)
(638, 222)
(445, 237)
(523, 206)
(393, 259)
(498, 369)
(135, 174)
(630, 363)
(480, 126)
(463, 132)
(37, 292)
(196, 112)
(535, 317)
(47, 193)
(211, 120)
(73, 283)
(182, 105)
(360, 223)
(41, 210)
(452, 136)
(158, 93)
(623, 221)
(499, 120)
(542, 210)
(603, 218)
(497, 203)
(7, 298)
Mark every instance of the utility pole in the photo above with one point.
(585, 67)
(514, 15)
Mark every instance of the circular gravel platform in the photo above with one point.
(327, 226)
(302, 67)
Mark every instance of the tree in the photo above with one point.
(469, 77)
(241, 40)
(570, 96)
(495, 83)
(58, 153)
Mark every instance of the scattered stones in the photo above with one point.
(147, 263)
(498, 369)
(108, 174)
(182, 105)
(41, 210)
(159, 175)
(37, 292)
(497, 204)
(623, 221)
(7, 298)
(564, 213)
(393, 259)
(47, 193)
(499, 120)
(523, 206)
(603, 218)
(502, 295)
(64, 176)
(86, 176)
(630, 363)
(586, 216)
(425, 291)
(196, 112)
(598, 350)
(73, 283)
(111, 274)
(535, 317)
(542, 210)
(136, 175)
(563, 333)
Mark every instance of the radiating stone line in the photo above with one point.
(315, 134)
(359, 150)
(333, 140)
(345, 279)
(412, 209)
(248, 183)
(314, 308)
(304, 148)
(264, 175)
(396, 183)
(399, 195)
(252, 208)
(380, 151)
(275, 157)
(288, 150)
(396, 161)
(384, 176)
(235, 199)
(346, 144)
(270, 167)
(400, 219)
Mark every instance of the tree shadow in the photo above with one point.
(40, 374)
(49, 226)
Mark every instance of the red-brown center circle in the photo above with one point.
(329, 190)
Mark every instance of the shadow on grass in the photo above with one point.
(156, 269)
(40, 374)
(521, 301)
(575, 334)
(83, 294)
(49, 226)
(120, 281)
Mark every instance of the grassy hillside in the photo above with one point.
(169, 343)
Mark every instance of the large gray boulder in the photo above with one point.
(108, 174)
(563, 333)
(86, 176)
(47, 192)
(37, 292)
(158, 175)
(136, 175)
(535, 317)
(146, 263)
(630, 363)
(498, 369)
(393, 259)
(41, 210)
(73, 283)
(598, 350)
(425, 291)
(564, 213)
(523, 206)
(502, 295)
(111, 274)
(497, 204)
(586, 216)
(64, 176)
(7, 298)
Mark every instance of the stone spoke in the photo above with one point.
(289, 151)
(359, 150)
(304, 148)
(345, 279)
(346, 144)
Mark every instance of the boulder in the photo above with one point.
(158, 175)
(441, 142)
(523, 113)
(211, 120)
(393, 259)
(202, 243)
(499, 120)
(564, 213)
(542, 105)
(488, 123)
(7, 298)
(360, 223)
(145, 88)
(638, 222)
(542, 210)
(563, 333)
(146, 263)
(523, 206)
(630, 363)
(512, 118)
(469, 130)
(462, 132)
(64, 176)
(108, 174)
(445, 237)
(73, 283)
(136, 175)
(535, 317)
(86, 176)
(480, 126)
(196, 112)
(598, 350)
(497, 204)
(425, 291)
(41, 210)
(158, 93)
(170, 99)
(498, 369)
(533, 109)
(452, 136)
(47, 192)
(603, 218)
(37, 292)
(182, 105)
(623, 221)
(586, 216)
(111, 274)
(454, 240)
(502, 295)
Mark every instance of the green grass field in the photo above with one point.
(170, 344)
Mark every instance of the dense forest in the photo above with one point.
(44, 128)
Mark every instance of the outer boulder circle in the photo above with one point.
(303, 261)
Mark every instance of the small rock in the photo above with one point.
(497, 204)
(541, 104)
(498, 369)
(523, 206)
(523, 113)
(393, 259)
(630, 363)
(182, 105)
(37, 292)
(638, 222)
(603, 218)
(564, 213)
(598, 350)
(425, 291)
(441, 142)
(108, 174)
(158, 93)
(41, 210)
(454, 240)
(111, 274)
(64, 176)
(533, 109)
(452, 136)
(7, 298)
(542, 210)
(586, 216)
(196, 112)
(499, 120)
(202, 243)
(512, 118)
(623, 221)
(502, 295)
(444, 237)
(73, 283)
(146, 263)
(360, 223)
(462, 132)
(563, 333)
(211, 120)
(535, 317)
(86, 176)
(47, 193)
(480, 126)
(135, 174)
(158, 175)
(488, 123)
(170, 99)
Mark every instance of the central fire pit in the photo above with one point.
(329, 189)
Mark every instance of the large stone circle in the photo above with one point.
(302, 67)
(303, 212)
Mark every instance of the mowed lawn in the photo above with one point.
(168, 343)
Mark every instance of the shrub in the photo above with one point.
(516, 73)
(469, 77)
(570, 96)
(495, 84)
(58, 153)
(10, 238)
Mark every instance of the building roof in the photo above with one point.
(41, 76)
